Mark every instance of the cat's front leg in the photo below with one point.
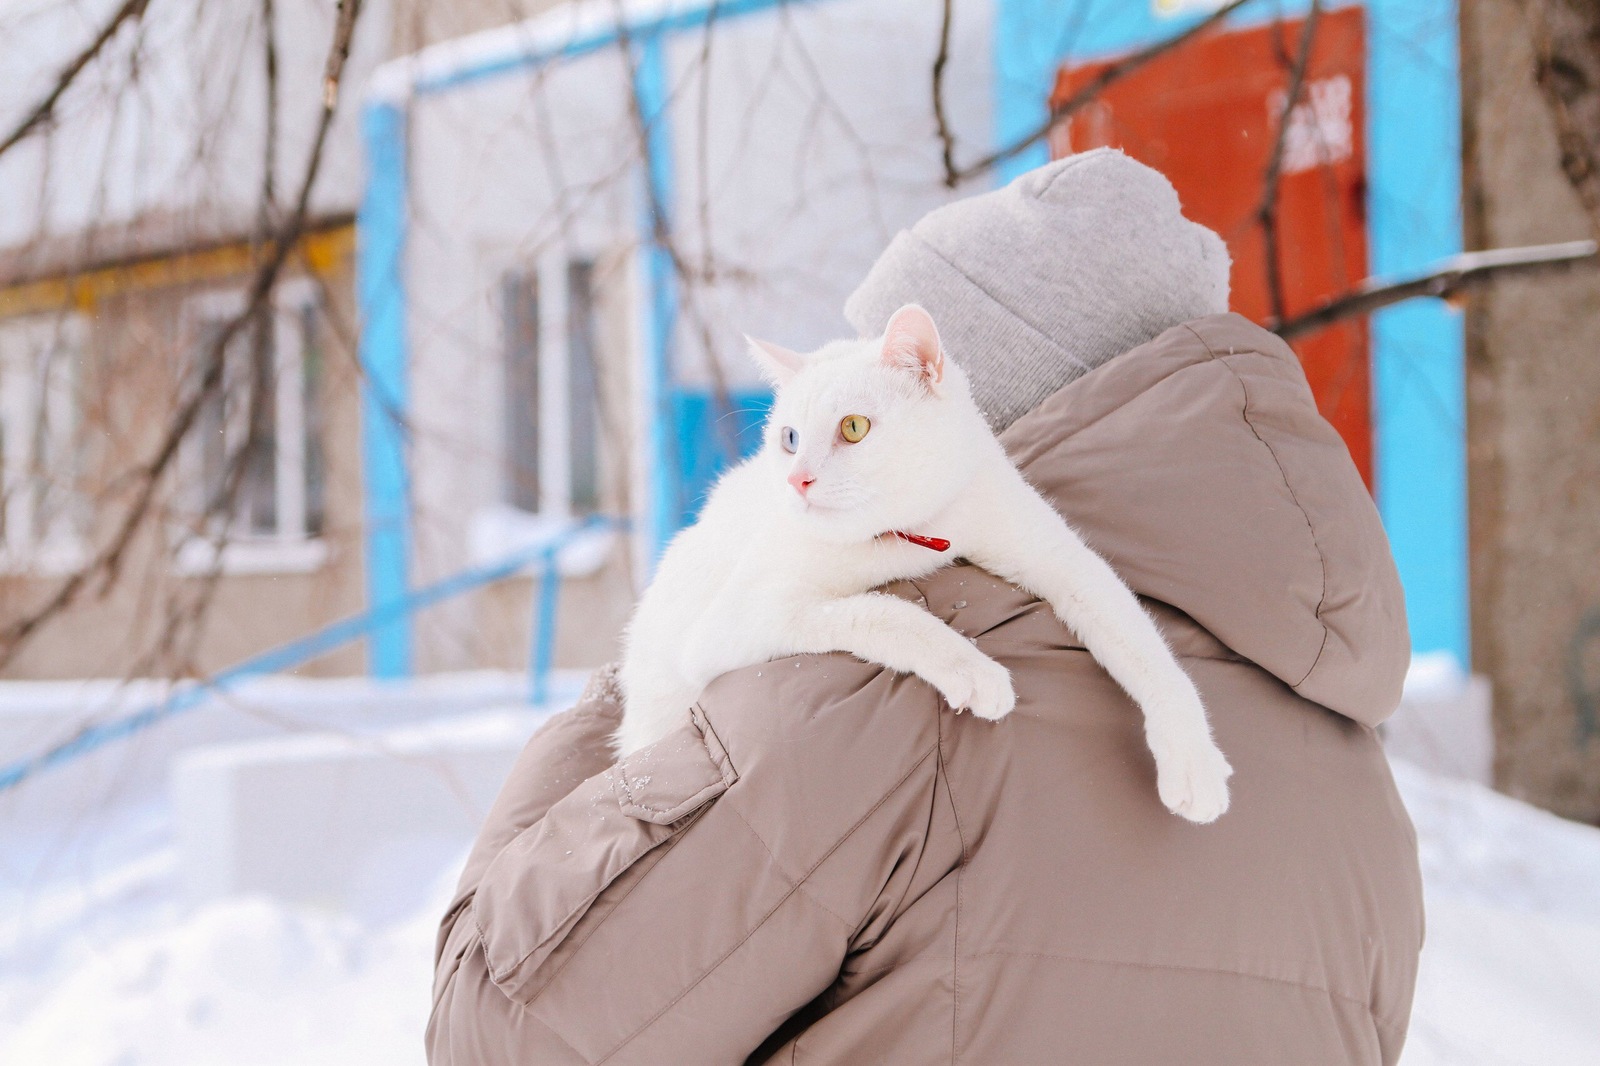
(1191, 771)
(656, 699)
(732, 632)
(1017, 535)
(904, 637)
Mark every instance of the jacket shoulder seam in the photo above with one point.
(776, 907)
(1322, 559)
(550, 1028)
(797, 883)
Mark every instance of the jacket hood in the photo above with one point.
(1198, 465)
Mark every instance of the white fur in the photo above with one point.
(765, 573)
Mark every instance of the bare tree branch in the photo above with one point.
(1086, 95)
(269, 166)
(106, 564)
(45, 108)
(947, 138)
(1267, 211)
(661, 224)
(1445, 280)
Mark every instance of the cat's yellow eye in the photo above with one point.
(853, 427)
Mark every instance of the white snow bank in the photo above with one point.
(363, 816)
(1511, 964)
(1443, 723)
(236, 983)
(1480, 847)
(1505, 988)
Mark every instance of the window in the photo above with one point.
(550, 440)
(42, 510)
(520, 305)
(583, 390)
(552, 390)
(261, 492)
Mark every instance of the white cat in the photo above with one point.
(870, 441)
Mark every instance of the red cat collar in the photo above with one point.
(938, 544)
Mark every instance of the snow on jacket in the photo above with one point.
(826, 865)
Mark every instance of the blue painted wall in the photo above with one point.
(1414, 213)
(710, 435)
(1419, 365)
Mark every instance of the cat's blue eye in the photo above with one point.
(789, 437)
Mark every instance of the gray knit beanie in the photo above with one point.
(1037, 283)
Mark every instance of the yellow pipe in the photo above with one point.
(322, 252)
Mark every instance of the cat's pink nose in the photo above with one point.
(802, 480)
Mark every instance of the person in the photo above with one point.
(824, 864)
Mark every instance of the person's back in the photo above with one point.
(1080, 921)
(823, 864)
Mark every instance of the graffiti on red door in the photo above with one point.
(1207, 116)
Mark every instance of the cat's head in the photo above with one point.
(872, 435)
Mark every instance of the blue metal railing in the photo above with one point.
(286, 656)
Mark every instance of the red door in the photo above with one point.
(1205, 115)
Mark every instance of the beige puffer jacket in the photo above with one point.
(825, 865)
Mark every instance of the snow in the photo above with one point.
(1497, 853)
(568, 28)
(1444, 721)
(240, 981)
(1511, 966)
(103, 963)
(1503, 987)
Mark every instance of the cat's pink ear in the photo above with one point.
(778, 364)
(911, 342)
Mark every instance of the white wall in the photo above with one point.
(521, 173)
(802, 139)
(815, 145)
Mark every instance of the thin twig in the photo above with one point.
(661, 227)
(269, 192)
(1267, 210)
(46, 107)
(1113, 73)
(947, 137)
(708, 261)
(1445, 280)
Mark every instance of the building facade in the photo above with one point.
(564, 225)
(740, 165)
(131, 233)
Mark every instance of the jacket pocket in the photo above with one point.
(539, 889)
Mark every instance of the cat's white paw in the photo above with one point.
(1192, 778)
(978, 684)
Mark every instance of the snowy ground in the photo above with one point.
(100, 965)
(1511, 966)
